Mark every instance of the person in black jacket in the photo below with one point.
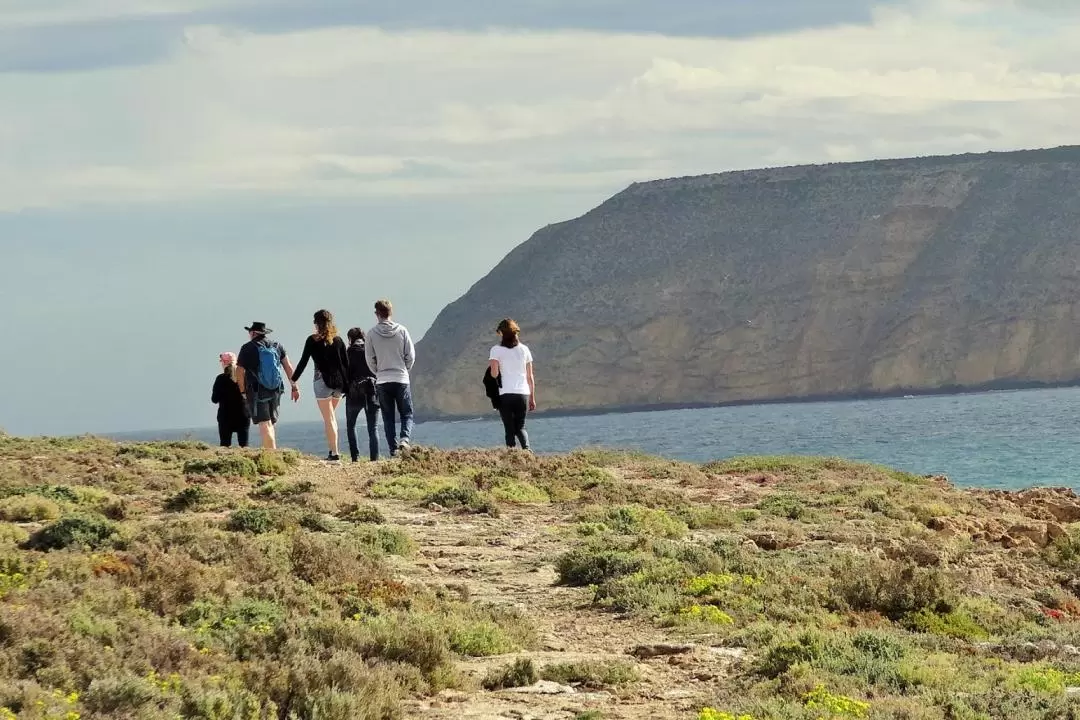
(232, 414)
(361, 395)
(327, 349)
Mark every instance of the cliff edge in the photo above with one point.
(873, 277)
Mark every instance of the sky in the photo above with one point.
(171, 170)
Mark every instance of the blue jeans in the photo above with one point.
(353, 408)
(396, 397)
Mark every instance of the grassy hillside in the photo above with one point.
(174, 580)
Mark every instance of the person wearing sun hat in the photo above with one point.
(232, 413)
(263, 368)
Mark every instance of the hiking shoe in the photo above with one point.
(404, 445)
(331, 457)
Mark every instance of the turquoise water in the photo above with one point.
(994, 440)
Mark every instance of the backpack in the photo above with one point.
(271, 375)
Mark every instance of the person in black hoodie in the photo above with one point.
(361, 395)
(327, 349)
(232, 414)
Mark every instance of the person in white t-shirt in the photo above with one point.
(512, 363)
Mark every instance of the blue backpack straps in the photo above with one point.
(270, 376)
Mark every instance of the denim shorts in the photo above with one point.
(322, 392)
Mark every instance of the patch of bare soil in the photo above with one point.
(509, 561)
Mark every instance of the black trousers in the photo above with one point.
(352, 412)
(226, 430)
(513, 409)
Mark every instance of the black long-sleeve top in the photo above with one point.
(231, 406)
(327, 358)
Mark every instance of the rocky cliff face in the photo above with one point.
(882, 276)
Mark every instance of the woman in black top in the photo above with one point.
(360, 395)
(327, 349)
(232, 414)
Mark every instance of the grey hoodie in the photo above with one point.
(390, 352)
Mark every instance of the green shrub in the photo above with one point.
(56, 493)
(881, 647)
(520, 673)
(282, 491)
(592, 674)
(28, 508)
(223, 466)
(892, 589)
(637, 520)
(785, 506)
(412, 639)
(113, 697)
(782, 656)
(88, 531)
(954, 624)
(407, 487)
(463, 498)
(187, 499)
(1064, 552)
(707, 517)
(271, 464)
(250, 520)
(516, 491)
(583, 567)
(385, 540)
(480, 638)
(362, 515)
(320, 523)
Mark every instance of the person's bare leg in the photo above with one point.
(328, 408)
(269, 437)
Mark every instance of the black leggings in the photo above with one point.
(513, 409)
(226, 430)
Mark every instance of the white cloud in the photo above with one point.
(359, 111)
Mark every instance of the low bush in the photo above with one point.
(592, 674)
(86, 531)
(520, 673)
(28, 508)
(784, 506)
(271, 464)
(250, 520)
(362, 515)
(188, 499)
(320, 523)
(457, 497)
(385, 540)
(586, 566)
(237, 466)
(892, 589)
(637, 520)
(480, 638)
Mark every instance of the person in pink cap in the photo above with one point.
(232, 414)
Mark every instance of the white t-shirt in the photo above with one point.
(512, 363)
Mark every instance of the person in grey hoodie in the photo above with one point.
(390, 354)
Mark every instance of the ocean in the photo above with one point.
(1009, 440)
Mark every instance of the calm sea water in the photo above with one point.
(994, 440)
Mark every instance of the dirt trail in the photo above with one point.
(509, 561)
